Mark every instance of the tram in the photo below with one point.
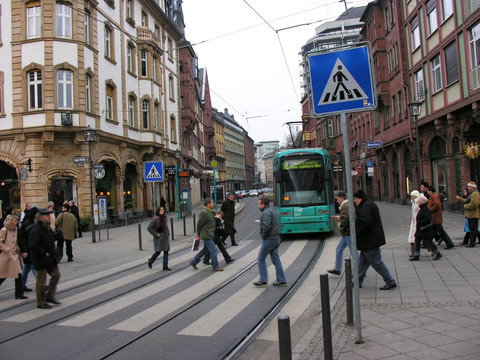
(303, 191)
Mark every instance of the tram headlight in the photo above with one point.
(286, 198)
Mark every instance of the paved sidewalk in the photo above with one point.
(433, 314)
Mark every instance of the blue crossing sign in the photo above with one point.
(342, 81)
(153, 171)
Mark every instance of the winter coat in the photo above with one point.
(160, 243)
(42, 247)
(413, 223)
(344, 219)
(23, 236)
(435, 207)
(67, 223)
(471, 205)
(10, 257)
(368, 226)
(228, 208)
(206, 224)
(424, 217)
(269, 224)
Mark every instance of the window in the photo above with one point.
(155, 116)
(129, 58)
(143, 56)
(88, 94)
(86, 25)
(170, 88)
(415, 33)
(2, 101)
(436, 74)
(64, 21)
(128, 6)
(157, 31)
(34, 21)
(145, 109)
(432, 16)
(35, 90)
(110, 101)
(420, 89)
(475, 46)
(131, 111)
(173, 133)
(330, 128)
(109, 114)
(65, 89)
(109, 41)
(451, 62)
(170, 48)
(447, 9)
(154, 69)
(144, 19)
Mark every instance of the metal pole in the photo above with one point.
(351, 215)
(194, 224)
(215, 189)
(419, 164)
(139, 237)
(326, 318)
(284, 338)
(184, 226)
(91, 190)
(171, 229)
(348, 291)
(178, 191)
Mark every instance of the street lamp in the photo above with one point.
(89, 136)
(178, 155)
(415, 109)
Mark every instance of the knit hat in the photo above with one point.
(360, 194)
(415, 193)
(422, 200)
(472, 184)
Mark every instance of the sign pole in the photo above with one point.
(351, 215)
(215, 188)
(178, 191)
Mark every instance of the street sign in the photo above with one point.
(208, 172)
(23, 174)
(373, 144)
(169, 170)
(97, 166)
(342, 80)
(214, 163)
(184, 173)
(153, 171)
(80, 160)
(370, 164)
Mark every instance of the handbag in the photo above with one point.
(196, 243)
(6, 233)
(425, 227)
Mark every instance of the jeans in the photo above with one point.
(373, 257)
(155, 256)
(344, 242)
(270, 247)
(208, 246)
(26, 270)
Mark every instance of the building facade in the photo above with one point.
(234, 153)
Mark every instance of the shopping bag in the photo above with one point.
(196, 243)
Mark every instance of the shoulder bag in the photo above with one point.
(6, 233)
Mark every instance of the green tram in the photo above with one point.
(303, 191)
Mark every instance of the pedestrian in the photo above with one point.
(435, 207)
(23, 213)
(217, 239)
(228, 208)
(23, 239)
(472, 210)
(51, 206)
(42, 251)
(370, 237)
(75, 212)
(424, 189)
(67, 224)
(8, 211)
(269, 231)
(343, 223)
(206, 232)
(413, 223)
(10, 255)
(158, 227)
(424, 230)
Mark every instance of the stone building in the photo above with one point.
(108, 65)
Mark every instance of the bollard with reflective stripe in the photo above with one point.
(194, 225)
(326, 318)
(139, 237)
(284, 338)
(184, 226)
(349, 291)
(171, 229)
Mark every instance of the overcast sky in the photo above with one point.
(253, 70)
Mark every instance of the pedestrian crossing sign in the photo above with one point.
(153, 171)
(341, 81)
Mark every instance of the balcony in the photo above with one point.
(146, 36)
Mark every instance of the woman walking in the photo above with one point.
(10, 256)
(424, 230)
(413, 224)
(158, 227)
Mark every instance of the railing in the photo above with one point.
(144, 34)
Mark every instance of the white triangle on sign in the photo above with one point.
(341, 86)
(153, 173)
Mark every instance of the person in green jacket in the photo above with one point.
(472, 210)
(206, 232)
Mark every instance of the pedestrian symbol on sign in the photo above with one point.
(341, 86)
(153, 173)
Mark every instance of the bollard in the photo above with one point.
(171, 229)
(284, 339)
(139, 237)
(184, 226)
(194, 225)
(349, 290)
(326, 319)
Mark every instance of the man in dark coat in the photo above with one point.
(370, 237)
(228, 208)
(74, 211)
(42, 251)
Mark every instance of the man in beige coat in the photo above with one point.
(67, 223)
